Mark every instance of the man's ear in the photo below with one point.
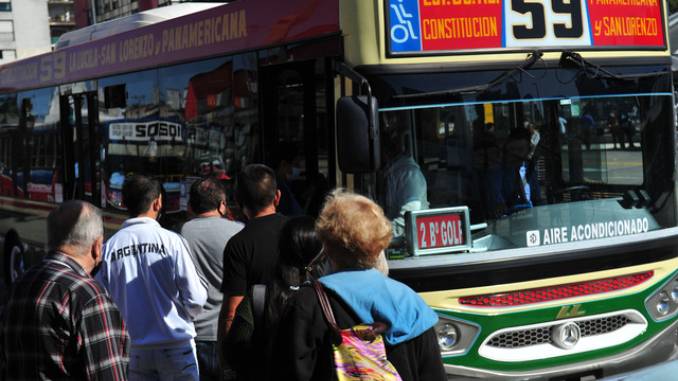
(276, 199)
(157, 204)
(96, 251)
(223, 208)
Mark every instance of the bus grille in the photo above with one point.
(542, 335)
(537, 341)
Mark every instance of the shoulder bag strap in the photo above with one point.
(258, 303)
(325, 305)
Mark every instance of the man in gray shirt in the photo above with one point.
(207, 235)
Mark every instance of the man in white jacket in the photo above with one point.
(150, 275)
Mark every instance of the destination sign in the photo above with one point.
(229, 28)
(438, 230)
(434, 26)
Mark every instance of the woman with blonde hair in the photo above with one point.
(354, 231)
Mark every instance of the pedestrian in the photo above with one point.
(251, 256)
(353, 231)
(150, 275)
(251, 338)
(207, 235)
(616, 130)
(59, 322)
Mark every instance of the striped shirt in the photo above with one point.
(59, 323)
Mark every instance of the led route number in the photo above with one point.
(440, 231)
(420, 26)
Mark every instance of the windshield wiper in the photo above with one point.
(531, 59)
(572, 59)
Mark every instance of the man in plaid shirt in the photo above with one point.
(59, 323)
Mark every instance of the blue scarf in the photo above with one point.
(375, 297)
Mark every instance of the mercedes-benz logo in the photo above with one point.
(566, 335)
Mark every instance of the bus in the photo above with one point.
(524, 151)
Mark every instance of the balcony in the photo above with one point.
(65, 19)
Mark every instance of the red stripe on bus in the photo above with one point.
(551, 293)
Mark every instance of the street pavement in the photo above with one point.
(661, 372)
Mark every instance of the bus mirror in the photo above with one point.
(357, 134)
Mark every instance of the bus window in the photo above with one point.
(9, 149)
(215, 102)
(134, 140)
(39, 121)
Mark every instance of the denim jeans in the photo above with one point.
(208, 360)
(163, 364)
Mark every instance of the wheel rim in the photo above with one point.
(16, 263)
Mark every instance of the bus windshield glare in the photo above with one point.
(539, 164)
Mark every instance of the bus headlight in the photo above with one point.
(664, 302)
(674, 292)
(448, 337)
(455, 336)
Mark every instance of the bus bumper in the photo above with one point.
(662, 347)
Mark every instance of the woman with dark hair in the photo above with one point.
(299, 246)
(250, 340)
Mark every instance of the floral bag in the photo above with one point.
(361, 355)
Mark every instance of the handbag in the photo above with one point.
(360, 354)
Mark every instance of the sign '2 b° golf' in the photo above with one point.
(434, 231)
(438, 26)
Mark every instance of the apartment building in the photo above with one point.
(61, 17)
(24, 29)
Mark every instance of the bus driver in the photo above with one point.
(404, 184)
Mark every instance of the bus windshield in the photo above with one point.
(538, 167)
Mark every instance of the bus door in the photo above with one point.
(297, 133)
(81, 147)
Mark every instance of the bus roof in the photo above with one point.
(225, 29)
(131, 22)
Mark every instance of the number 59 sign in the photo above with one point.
(434, 26)
(435, 231)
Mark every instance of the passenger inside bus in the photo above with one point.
(487, 168)
(288, 169)
(403, 181)
(514, 185)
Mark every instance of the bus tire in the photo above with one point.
(13, 259)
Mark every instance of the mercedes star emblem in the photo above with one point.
(566, 335)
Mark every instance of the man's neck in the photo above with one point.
(72, 252)
(211, 213)
(265, 212)
(150, 214)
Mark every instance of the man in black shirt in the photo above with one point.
(251, 256)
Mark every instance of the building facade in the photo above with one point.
(61, 17)
(24, 29)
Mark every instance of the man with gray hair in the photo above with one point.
(59, 322)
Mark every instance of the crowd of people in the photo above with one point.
(221, 299)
